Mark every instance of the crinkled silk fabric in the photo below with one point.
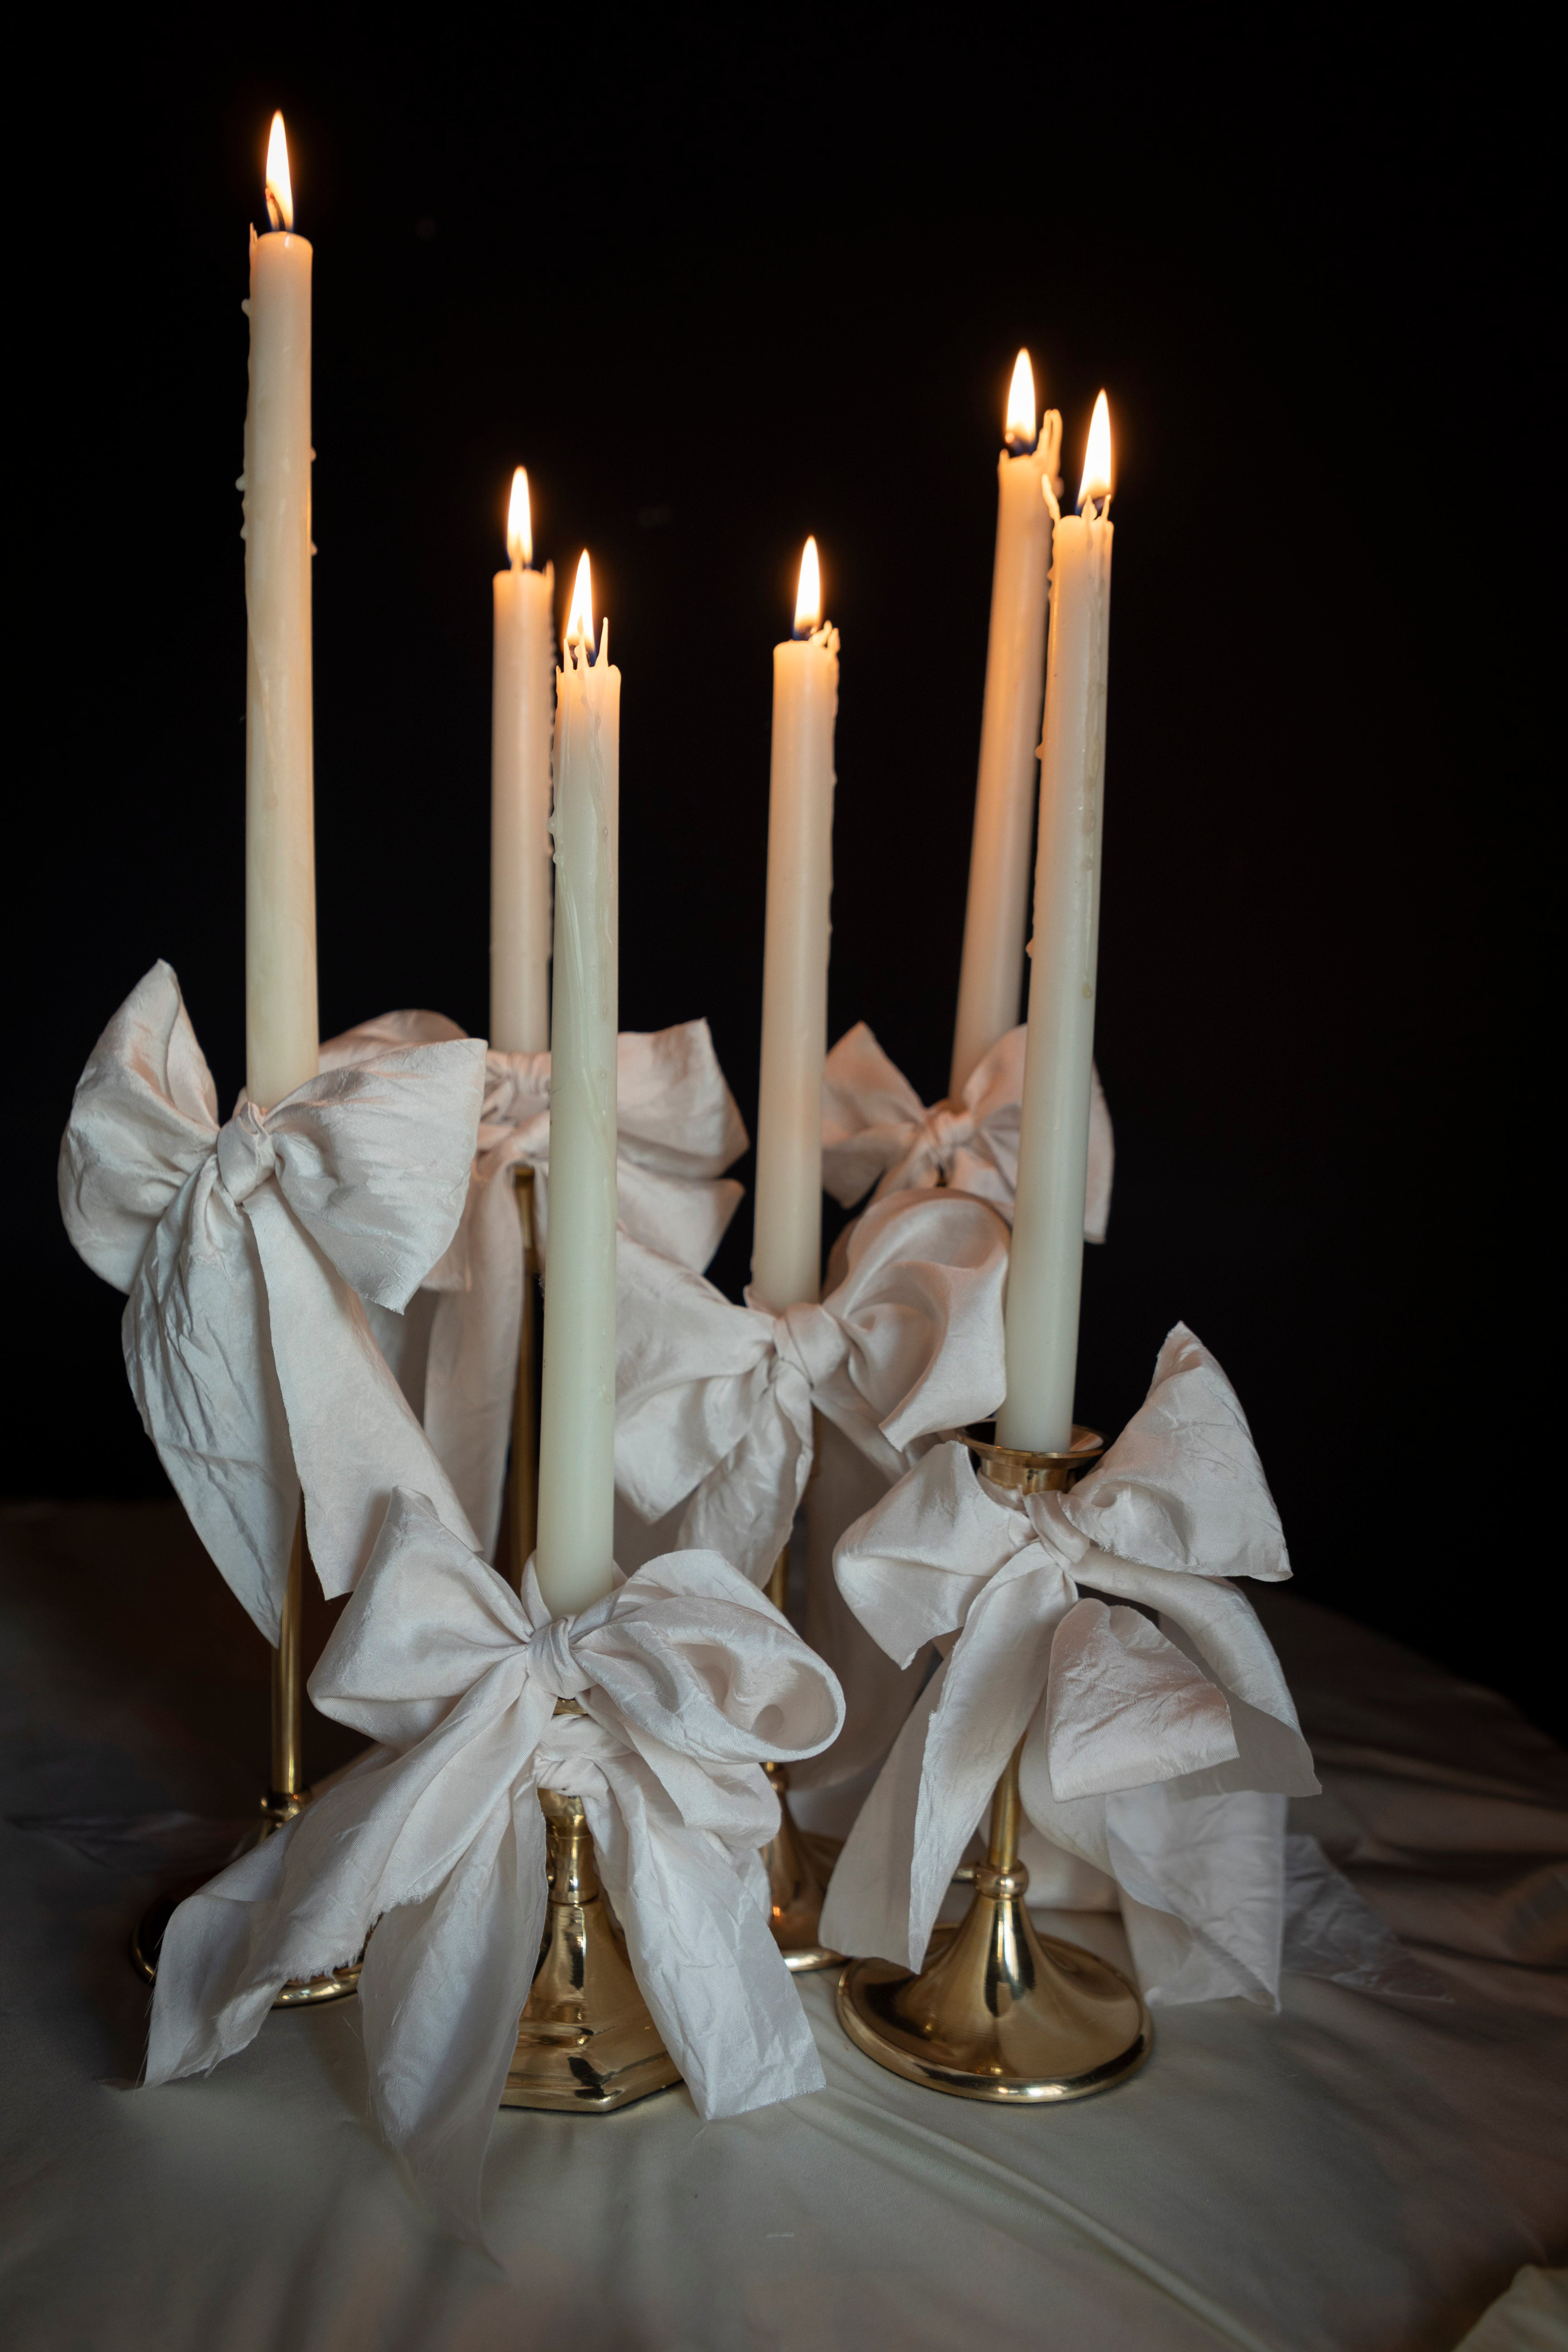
(876, 1132)
(687, 1679)
(246, 1250)
(677, 1129)
(1158, 1755)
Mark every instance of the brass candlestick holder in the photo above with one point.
(585, 2042)
(797, 1886)
(522, 1469)
(999, 2011)
(286, 1795)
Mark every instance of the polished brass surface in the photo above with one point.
(585, 2043)
(288, 1689)
(523, 1472)
(999, 2013)
(1029, 1474)
(798, 1869)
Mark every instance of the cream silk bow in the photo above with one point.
(714, 1402)
(688, 1680)
(242, 1248)
(876, 1131)
(1160, 1754)
(677, 1128)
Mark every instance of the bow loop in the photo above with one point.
(246, 1154)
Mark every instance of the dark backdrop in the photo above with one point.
(721, 282)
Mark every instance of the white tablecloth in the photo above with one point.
(1358, 2171)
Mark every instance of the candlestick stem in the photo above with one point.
(522, 1474)
(287, 1793)
(797, 1886)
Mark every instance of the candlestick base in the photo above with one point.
(999, 2013)
(299, 1992)
(585, 2042)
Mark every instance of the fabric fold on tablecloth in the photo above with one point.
(686, 1679)
(246, 1250)
(876, 1132)
(1099, 1627)
(677, 1129)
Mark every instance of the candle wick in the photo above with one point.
(1020, 445)
(274, 213)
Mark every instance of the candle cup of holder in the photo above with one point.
(798, 1870)
(285, 1799)
(522, 1471)
(585, 2042)
(999, 2011)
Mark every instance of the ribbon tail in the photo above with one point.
(213, 1990)
(872, 1909)
(700, 1948)
(472, 1371)
(354, 1436)
(444, 1983)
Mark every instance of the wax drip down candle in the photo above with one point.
(786, 1250)
(523, 687)
(574, 1560)
(1045, 1271)
(991, 976)
(282, 1028)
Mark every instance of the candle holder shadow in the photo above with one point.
(585, 2042)
(999, 2011)
(798, 1866)
(286, 1797)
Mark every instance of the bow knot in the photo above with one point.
(551, 1659)
(246, 1154)
(810, 1342)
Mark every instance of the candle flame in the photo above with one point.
(580, 623)
(1023, 425)
(1097, 473)
(808, 596)
(279, 193)
(520, 523)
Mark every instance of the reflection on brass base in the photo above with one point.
(999, 2013)
(585, 2043)
(299, 1992)
(798, 1871)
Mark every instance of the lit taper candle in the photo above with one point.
(281, 1029)
(786, 1248)
(991, 977)
(523, 687)
(1046, 1267)
(574, 1558)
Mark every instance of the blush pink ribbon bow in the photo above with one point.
(876, 1132)
(686, 1679)
(677, 1129)
(714, 1402)
(1160, 1753)
(246, 1250)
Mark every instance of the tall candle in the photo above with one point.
(786, 1249)
(991, 976)
(522, 685)
(577, 1414)
(1047, 1263)
(280, 1024)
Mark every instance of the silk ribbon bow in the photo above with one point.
(876, 1131)
(1158, 1753)
(714, 1402)
(686, 1679)
(677, 1128)
(246, 1250)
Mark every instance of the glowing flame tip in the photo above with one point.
(1097, 481)
(1023, 425)
(280, 193)
(520, 523)
(808, 596)
(580, 621)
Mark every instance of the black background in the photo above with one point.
(722, 281)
